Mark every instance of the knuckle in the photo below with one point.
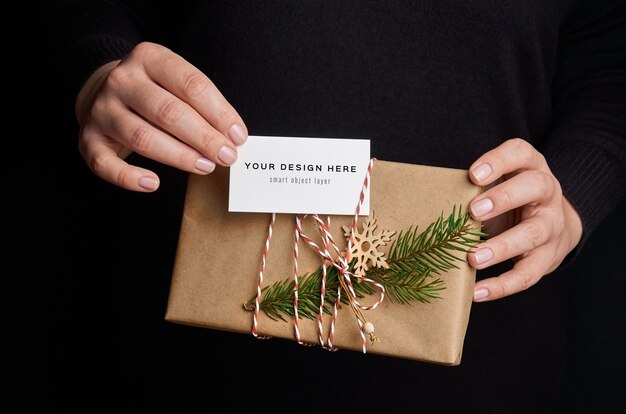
(525, 280)
(98, 164)
(224, 115)
(535, 181)
(85, 136)
(535, 233)
(186, 160)
(505, 197)
(520, 144)
(541, 157)
(542, 181)
(143, 49)
(170, 112)
(122, 176)
(141, 139)
(522, 149)
(99, 108)
(118, 78)
(499, 289)
(535, 178)
(84, 150)
(548, 183)
(208, 140)
(194, 84)
(501, 249)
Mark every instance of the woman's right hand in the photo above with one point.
(157, 104)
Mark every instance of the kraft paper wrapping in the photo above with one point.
(219, 255)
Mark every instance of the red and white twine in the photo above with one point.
(341, 261)
(259, 288)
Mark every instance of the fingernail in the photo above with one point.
(482, 172)
(205, 165)
(227, 155)
(237, 135)
(482, 255)
(482, 207)
(148, 183)
(481, 293)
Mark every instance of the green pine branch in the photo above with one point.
(405, 288)
(413, 258)
(432, 249)
(278, 299)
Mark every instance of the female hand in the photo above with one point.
(157, 104)
(526, 215)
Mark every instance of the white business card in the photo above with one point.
(299, 175)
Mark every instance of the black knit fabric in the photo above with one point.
(436, 82)
(429, 82)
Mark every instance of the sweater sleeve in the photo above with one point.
(88, 34)
(586, 150)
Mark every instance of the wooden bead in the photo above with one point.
(368, 328)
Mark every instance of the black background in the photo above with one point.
(76, 256)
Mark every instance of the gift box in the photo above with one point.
(219, 256)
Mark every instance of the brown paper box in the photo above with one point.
(219, 255)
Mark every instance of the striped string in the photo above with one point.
(259, 287)
(357, 211)
(296, 287)
(320, 316)
(345, 282)
(341, 263)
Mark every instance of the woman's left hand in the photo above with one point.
(526, 215)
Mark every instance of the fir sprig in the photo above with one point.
(413, 258)
(278, 299)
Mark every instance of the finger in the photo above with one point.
(523, 275)
(527, 236)
(179, 119)
(534, 186)
(117, 121)
(512, 155)
(102, 159)
(189, 84)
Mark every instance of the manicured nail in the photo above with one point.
(148, 183)
(237, 135)
(205, 165)
(227, 155)
(481, 293)
(482, 255)
(482, 207)
(482, 172)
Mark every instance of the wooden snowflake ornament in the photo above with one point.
(366, 245)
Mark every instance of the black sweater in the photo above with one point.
(430, 82)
